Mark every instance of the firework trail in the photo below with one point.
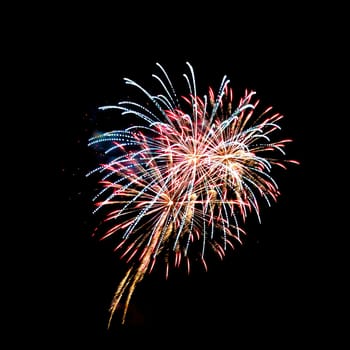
(186, 177)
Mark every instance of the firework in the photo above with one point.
(185, 177)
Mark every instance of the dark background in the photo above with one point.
(271, 290)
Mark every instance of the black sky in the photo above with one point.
(264, 290)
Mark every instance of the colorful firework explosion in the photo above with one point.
(186, 177)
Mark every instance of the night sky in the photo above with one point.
(264, 290)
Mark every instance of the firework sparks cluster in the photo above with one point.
(186, 177)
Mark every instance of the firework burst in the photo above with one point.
(185, 177)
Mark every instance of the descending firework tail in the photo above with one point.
(185, 178)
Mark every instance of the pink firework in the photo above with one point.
(186, 177)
